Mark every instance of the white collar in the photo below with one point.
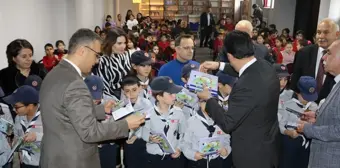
(223, 99)
(245, 66)
(337, 79)
(146, 83)
(74, 66)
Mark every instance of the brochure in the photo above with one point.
(142, 111)
(30, 147)
(164, 144)
(198, 79)
(187, 98)
(6, 127)
(210, 145)
(122, 109)
(298, 114)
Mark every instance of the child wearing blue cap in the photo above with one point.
(28, 125)
(107, 149)
(34, 81)
(5, 148)
(165, 119)
(135, 146)
(296, 146)
(225, 84)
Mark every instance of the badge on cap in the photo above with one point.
(311, 90)
(192, 65)
(34, 83)
(170, 81)
(94, 87)
(283, 67)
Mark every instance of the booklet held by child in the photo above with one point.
(198, 80)
(187, 98)
(210, 145)
(122, 109)
(6, 127)
(164, 143)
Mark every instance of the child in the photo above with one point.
(218, 44)
(141, 68)
(5, 138)
(131, 22)
(225, 84)
(202, 126)
(295, 147)
(277, 50)
(260, 39)
(282, 73)
(301, 43)
(170, 51)
(28, 125)
(166, 119)
(50, 60)
(134, 148)
(288, 54)
(229, 24)
(60, 51)
(107, 149)
(163, 43)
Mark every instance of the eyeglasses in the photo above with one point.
(98, 55)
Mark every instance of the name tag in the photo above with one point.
(174, 121)
(219, 132)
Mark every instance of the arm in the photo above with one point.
(100, 112)
(326, 133)
(228, 69)
(81, 112)
(243, 103)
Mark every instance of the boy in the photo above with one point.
(225, 84)
(202, 126)
(28, 125)
(50, 60)
(107, 149)
(165, 119)
(296, 150)
(134, 148)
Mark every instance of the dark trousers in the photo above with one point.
(214, 163)
(22, 165)
(157, 161)
(294, 155)
(7, 165)
(205, 35)
(135, 154)
(108, 156)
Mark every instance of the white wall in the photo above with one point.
(329, 9)
(45, 21)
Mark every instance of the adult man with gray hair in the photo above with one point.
(323, 126)
(69, 116)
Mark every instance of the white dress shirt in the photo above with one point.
(208, 17)
(245, 66)
(75, 67)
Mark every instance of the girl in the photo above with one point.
(260, 39)
(60, 51)
(153, 30)
(277, 50)
(170, 51)
(132, 44)
(97, 30)
(163, 43)
(159, 55)
(288, 54)
(131, 22)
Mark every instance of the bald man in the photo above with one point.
(261, 52)
(308, 60)
(324, 128)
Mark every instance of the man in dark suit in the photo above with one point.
(207, 23)
(252, 115)
(308, 61)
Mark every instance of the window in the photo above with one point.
(268, 4)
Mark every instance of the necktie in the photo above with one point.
(320, 74)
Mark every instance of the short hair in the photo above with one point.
(274, 31)
(48, 45)
(286, 30)
(14, 48)
(179, 38)
(157, 93)
(239, 44)
(80, 38)
(300, 32)
(129, 80)
(303, 42)
(111, 39)
(59, 42)
(272, 26)
(108, 16)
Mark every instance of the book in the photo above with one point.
(142, 111)
(198, 79)
(164, 144)
(6, 127)
(30, 147)
(187, 98)
(210, 145)
(122, 109)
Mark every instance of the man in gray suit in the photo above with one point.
(70, 118)
(323, 126)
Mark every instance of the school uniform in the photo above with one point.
(173, 124)
(202, 126)
(23, 126)
(285, 95)
(223, 100)
(5, 148)
(295, 151)
(135, 153)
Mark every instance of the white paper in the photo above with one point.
(122, 112)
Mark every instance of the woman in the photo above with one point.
(139, 18)
(20, 65)
(115, 64)
(109, 20)
(97, 30)
(128, 13)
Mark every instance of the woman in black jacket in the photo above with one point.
(20, 65)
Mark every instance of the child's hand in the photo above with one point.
(223, 152)
(176, 154)
(154, 139)
(30, 137)
(108, 106)
(292, 133)
(199, 156)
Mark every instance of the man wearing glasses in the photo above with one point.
(70, 118)
(184, 51)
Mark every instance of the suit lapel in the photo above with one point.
(329, 98)
(313, 59)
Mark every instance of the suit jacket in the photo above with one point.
(71, 129)
(304, 65)
(325, 133)
(204, 20)
(251, 118)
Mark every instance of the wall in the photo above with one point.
(45, 21)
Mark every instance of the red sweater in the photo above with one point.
(229, 27)
(49, 62)
(295, 45)
(163, 45)
(278, 54)
(218, 44)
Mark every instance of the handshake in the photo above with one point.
(133, 120)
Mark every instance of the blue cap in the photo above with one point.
(34, 81)
(187, 68)
(164, 84)
(141, 58)
(24, 94)
(225, 79)
(2, 94)
(307, 87)
(96, 86)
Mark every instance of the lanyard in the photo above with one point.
(204, 121)
(166, 121)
